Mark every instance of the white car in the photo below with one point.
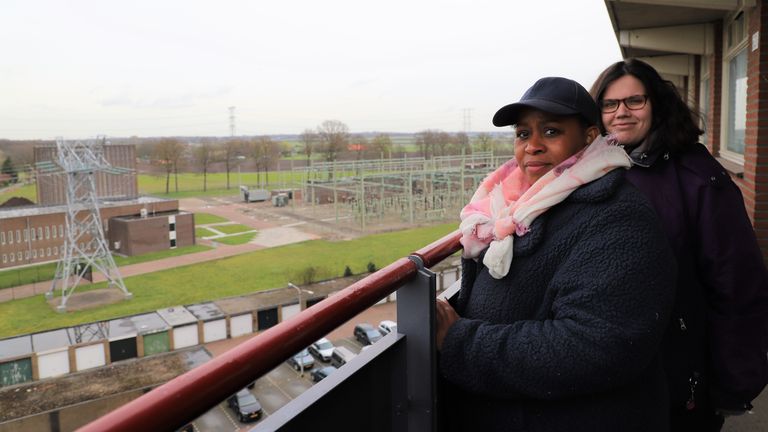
(387, 326)
(322, 349)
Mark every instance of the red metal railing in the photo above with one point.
(188, 396)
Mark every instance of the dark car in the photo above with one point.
(319, 374)
(366, 334)
(302, 359)
(245, 405)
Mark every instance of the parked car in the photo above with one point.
(341, 356)
(302, 358)
(319, 374)
(386, 327)
(322, 349)
(366, 334)
(245, 405)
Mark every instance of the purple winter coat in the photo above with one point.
(717, 341)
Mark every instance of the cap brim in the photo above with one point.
(510, 114)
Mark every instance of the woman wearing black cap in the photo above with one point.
(565, 291)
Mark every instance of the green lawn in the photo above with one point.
(232, 228)
(203, 232)
(217, 183)
(45, 272)
(27, 191)
(207, 218)
(236, 239)
(242, 274)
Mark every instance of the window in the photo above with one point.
(40, 233)
(53, 228)
(734, 113)
(47, 233)
(34, 253)
(26, 234)
(173, 243)
(34, 237)
(56, 250)
(48, 252)
(10, 237)
(2, 237)
(18, 256)
(41, 253)
(5, 258)
(13, 257)
(18, 237)
(61, 230)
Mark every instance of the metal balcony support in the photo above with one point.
(416, 320)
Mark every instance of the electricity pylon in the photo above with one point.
(85, 247)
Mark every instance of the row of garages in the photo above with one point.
(58, 352)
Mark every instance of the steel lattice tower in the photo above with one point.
(85, 247)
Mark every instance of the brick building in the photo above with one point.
(34, 234)
(715, 51)
(52, 189)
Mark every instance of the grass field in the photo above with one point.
(203, 232)
(236, 239)
(217, 183)
(255, 271)
(27, 191)
(207, 218)
(45, 272)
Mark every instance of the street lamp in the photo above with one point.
(298, 291)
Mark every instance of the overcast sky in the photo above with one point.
(163, 67)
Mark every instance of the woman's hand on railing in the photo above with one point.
(446, 316)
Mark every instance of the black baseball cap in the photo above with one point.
(555, 95)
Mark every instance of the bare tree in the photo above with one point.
(485, 142)
(309, 138)
(265, 152)
(228, 153)
(334, 136)
(382, 143)
(427, 141)
(461, 143)
(168, 153)
(204, 157)
(359, 144)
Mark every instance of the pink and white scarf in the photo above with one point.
(505, 204)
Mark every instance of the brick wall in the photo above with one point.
(754, 185)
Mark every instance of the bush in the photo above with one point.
(308, 275)
(347, 271)
(371, 267)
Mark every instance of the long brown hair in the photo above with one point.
(673, 123)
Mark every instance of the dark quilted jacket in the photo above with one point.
(569, 339)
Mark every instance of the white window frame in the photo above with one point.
(705, 95)
(18, 236)
(730, 53)
(10, 237)
(2, 237)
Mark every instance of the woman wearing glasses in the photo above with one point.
(715, 348)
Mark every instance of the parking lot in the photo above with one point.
(283, 383)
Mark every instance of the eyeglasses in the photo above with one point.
(634, 102)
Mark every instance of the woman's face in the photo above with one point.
(629, 126)
(543, 140)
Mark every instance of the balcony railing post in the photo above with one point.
(415, 308)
